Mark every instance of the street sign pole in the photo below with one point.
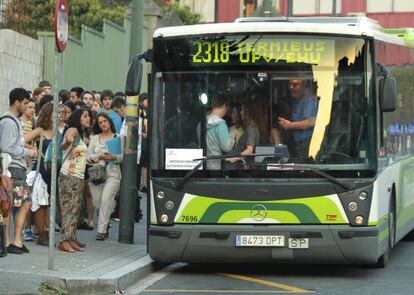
(61, 37)
(129, 164)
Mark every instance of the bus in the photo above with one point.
(336, 190)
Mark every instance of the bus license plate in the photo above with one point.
(259, 241)
(298, 243)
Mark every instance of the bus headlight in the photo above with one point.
(164, 218)
(353, 206)
(160, 195)
(359, 220)
(363, 196)
(169, 205)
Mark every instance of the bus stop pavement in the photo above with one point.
(103, 268)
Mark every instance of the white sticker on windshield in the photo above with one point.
(182, 159)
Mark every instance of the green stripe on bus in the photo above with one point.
(382, 225)
(234, 216)
(215, 211)
(304, 210)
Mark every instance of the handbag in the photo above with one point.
(97, 174)
(6, 201)
(6, 198)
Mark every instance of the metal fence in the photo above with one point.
(96, 61)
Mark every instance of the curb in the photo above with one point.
(107, 283)
(120, 278)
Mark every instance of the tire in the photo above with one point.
(409, 236)
(384, 258)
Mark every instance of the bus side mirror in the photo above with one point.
(134, 77)
(388, 94)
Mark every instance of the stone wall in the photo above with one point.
(21, 62)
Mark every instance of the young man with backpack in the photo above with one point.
(12, 143)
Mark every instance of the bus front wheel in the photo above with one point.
(384, 258)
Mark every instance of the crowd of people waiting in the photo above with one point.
(87, 121)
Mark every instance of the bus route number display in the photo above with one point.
(312, 51)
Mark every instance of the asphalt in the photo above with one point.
(104, 267)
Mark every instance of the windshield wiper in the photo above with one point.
(282, 166)
(293, 166)
(182, 181)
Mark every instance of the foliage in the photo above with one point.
(182, 12)
(23, 16)
(44, 288)
(30, 16)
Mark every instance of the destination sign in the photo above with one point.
(268, 51)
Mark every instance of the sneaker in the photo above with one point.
(28, 235)
(13, 249)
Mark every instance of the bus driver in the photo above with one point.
(304, 110)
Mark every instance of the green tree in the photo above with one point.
(30, 16)
(184, 13)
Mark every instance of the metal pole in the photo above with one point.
(137, 26)
(333, 7)
(130, 173)
(52, 209)
(289, 8)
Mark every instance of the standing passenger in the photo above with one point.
(218, 139)
(304, 111)
(106, 98)
(71, 179)
(103, 195)
(43, 130)
(254, 131)
(12, 143)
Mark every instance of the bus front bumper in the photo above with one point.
(327, 244)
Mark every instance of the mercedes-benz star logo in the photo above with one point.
(259, 212)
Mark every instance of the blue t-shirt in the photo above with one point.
(306, 107)
(115, 118)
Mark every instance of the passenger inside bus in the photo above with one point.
(218, 138)
(236, 127)
(255, 129)
(304, 108)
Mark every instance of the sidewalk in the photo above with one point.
(104, 266)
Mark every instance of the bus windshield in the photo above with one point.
(288, 99)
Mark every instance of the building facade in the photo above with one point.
(389, 13)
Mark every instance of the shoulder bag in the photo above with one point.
(97, 174)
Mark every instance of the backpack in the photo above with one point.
(5, 158)
(47, 160)
(11, 118)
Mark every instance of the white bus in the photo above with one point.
(322, 169)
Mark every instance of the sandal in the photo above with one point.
(91, 225)
(101, 237)
(82, 245)
(66, 247)
(75, 246)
